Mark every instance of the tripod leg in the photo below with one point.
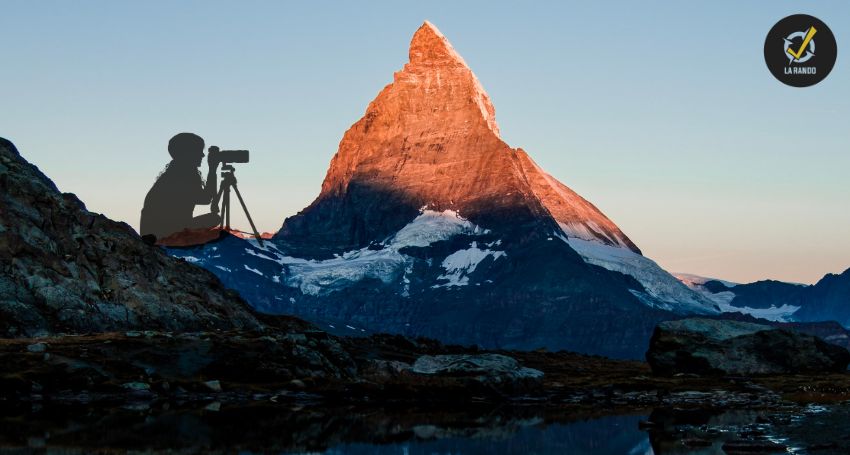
(215, 202)
(223, 214)
(214, 208)
(226, 213)
(254, 228)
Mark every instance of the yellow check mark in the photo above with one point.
(809, 35)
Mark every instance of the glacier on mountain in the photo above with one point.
(385, 261)
(666, 291)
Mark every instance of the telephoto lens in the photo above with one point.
(232, 156)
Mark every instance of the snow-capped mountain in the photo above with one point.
(428, 223)
(828, 299)
(725, 295)
(430, 139)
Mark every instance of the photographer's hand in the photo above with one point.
(212, 158)
(211, 185)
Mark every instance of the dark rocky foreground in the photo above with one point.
(293, 390)
(243, 367)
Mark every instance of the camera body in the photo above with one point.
(228, 156)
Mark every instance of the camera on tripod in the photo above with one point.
(228, 182)
(228, 156)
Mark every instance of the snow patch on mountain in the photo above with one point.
(697, 284)
(724, 299)
(460, 264)
(432, 226)
(695, 281)
(668, 292)
(387, 263)
(321, 277)
(589, 230)
(781, 314)
(253, 270)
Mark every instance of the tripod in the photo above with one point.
(228, 181)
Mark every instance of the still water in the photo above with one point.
(402, 430)
(606, 435)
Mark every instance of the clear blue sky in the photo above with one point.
(663, 114)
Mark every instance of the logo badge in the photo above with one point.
(800, 50)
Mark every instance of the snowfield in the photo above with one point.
(781, 314)
(388, 264)
(461, 263)
(694, 281)
(666, 291)
(431, 226)
(589, 230)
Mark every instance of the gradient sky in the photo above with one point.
(663, 114)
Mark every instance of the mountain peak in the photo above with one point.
(430, 46)
(430, 139)
(438, 68)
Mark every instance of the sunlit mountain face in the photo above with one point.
(428, 223)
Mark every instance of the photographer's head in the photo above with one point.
(187, 148)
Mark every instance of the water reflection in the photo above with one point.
(344, 430)
(700, 431)
(606, 435)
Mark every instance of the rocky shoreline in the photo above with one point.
(290, 376)
(241, 367)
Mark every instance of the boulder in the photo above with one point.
(487, 368)
(716, 347)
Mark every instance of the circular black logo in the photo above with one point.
(800, 50)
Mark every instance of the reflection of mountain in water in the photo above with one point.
(601, 436)
(294, 429)
(335, 431)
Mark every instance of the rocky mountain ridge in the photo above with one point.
(826, 300)
(67, 270)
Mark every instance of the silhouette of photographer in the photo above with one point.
(170, 203)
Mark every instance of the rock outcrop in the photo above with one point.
(64, 269)
(714, 346)
(484, 368)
